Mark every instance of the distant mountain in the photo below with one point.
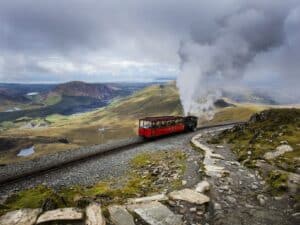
(78, 88)
(11, 96)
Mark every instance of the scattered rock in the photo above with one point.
(280, 150)
(94, 215)
(190, 196)
(184, 182)
(254, 187)
(202, 187)
(278, 198)
(262, 199)
(249, 206)
(231, 199)
(193, 209)
(296, 215)
(217, 156)
(217, 206)
(224, 187)
(60, 215)
(20, 217)
(155, 213)
(235, 163)
(160, 197)
(120, 216)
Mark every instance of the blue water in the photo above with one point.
(26, 151)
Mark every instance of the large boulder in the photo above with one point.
(155, 213)
(20, 217)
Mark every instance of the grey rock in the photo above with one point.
(296, 215)
(155, 213)
(262, 199)
(231, 199)
(217, 206)
(190, 196)
(203, 186)
(60, 214)
(280, 150)
(20, 217)
(94, 215)
(160, 197)
(120, 216)
(193, 209)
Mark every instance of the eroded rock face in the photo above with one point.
(20, 217)
(120, 216)
(155, 213)
(94, 215)
(190, 196)
(280, 150)
(61, 215)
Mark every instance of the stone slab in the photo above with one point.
(190, 196)
(155, 213)
(60, 215)
(20, 217)
(120, 216)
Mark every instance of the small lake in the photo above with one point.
(26, 151)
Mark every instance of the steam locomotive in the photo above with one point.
(151, 127)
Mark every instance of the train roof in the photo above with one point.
(161, 118)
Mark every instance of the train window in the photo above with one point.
(156, 124)
(146, 124)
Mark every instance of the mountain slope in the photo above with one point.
(78, 88)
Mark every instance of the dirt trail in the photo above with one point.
(239, 195)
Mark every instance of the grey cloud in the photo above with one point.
(226, 38)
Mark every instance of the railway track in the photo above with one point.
(83, 158)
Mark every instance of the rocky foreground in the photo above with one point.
(210, 187)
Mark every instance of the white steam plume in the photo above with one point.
(253, 47)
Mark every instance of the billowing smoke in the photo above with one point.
(255, 47)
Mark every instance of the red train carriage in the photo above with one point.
(150, 127)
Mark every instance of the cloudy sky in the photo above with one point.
(117, 40)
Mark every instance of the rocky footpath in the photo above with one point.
(239, 195)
